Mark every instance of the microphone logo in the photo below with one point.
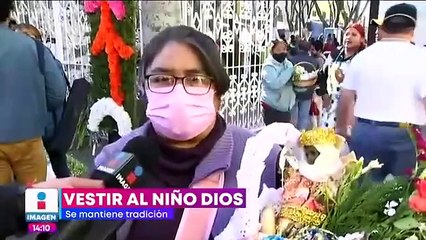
(41, 203)
(132, 176)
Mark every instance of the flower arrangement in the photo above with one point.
(111, 76)
(108, 107)
(327, 196)
(107, 39)
(299, 71)
(302, 78)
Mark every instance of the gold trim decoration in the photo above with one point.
(303, 215)
(319, 136)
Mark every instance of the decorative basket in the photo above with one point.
(303, 84)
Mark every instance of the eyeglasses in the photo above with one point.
(194, 85)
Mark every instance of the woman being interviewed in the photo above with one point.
(184, 81)
(334, 74)
(278, 96)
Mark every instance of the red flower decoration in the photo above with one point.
(417, 202)
(420, 144)
(108, 40)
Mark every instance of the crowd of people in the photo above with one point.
(314, 105)
(369, 96)
(365, 93)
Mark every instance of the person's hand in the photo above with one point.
(70, 182)
(313, 80)
(344, 132)
(326, 102)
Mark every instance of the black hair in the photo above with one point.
(318, 45)
(398, 24)
(12, 22)
(281, 33)
(304, 46)
(6, 6)
(204, 46)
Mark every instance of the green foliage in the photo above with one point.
(99, 64)
(76, 167)
(363, 211)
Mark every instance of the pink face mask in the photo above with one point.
(179, 115)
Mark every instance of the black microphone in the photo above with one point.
(131, 167)
(128, 169)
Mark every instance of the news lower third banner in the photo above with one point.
(51, 205)
(116, 214)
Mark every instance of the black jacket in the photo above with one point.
(12, 210)
(336, 56)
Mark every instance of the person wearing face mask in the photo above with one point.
(183, 81)
(278, 96)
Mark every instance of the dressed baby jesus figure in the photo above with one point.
(310, 168)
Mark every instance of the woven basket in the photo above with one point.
(303, 84)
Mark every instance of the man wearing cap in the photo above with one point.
(377, 23)
(389, 84)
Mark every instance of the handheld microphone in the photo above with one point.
(129, 169)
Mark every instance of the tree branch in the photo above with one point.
(332, 10)
(340, 9)
(354, 13)
(367, 3)
(289, 16)
(311, 7)
(319, 13)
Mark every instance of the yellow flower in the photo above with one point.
(319, 136)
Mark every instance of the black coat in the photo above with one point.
(12, 210)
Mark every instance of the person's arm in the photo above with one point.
(322, 81)
(421, 91)
(274, 79)
(12, 201)
(345, 106)
(55, 82)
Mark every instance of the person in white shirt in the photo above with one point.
(385, 89)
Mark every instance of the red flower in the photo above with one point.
(417, 202)
(409, 172)
(420, 144)
(421, 188)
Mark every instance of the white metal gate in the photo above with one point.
(64, 29)
(243, 30)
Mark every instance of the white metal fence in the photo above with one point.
(65, 31)
(243, 30)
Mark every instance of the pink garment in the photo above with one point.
(179, 115)
(117, 7)
(197, 223)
